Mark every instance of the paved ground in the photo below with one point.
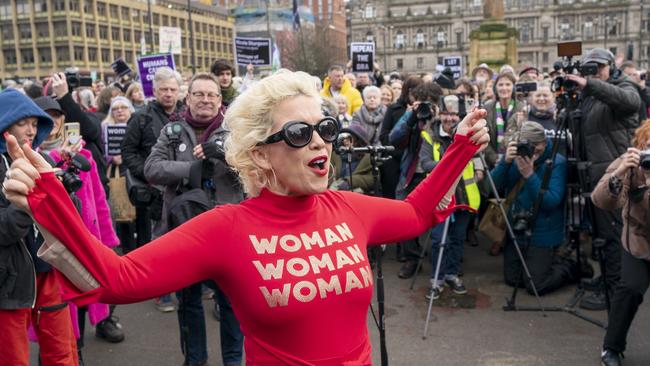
(485, 336)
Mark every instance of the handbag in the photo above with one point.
(139, 192)
(121, 208)
(493, 224)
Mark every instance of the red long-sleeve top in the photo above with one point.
(294, 268)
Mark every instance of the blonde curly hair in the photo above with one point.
(250, 121)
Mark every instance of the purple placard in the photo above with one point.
(147, 66)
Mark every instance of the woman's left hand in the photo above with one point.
(26, 167)
(474, 125)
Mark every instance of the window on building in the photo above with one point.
(129, 56)
(6, 10)
(40, 6)
(441, 38)
(525, 32)
(370, 37)
(566, 32)
(137, 36)
(612, 27)
(22, 8)
(459, 38)
(115, 11)
(330, 10)
(135, 15)
(126, 35)
(27, 55)
(74, 6)
(88, 6)
(106, 55)
(174, 22)
(419, 39)
(42, 29)
(76, 29)
(399, 63)
(545, 57)
(156, 19)
(320, 10)
(420, 63)
(369, 12)
(60, 27)
(25, 31)
(476, 3)
(7, 32)
(10, 56)
(165, 20)
(90, 31)
(400, 40)
(125, 13)
(78, 53)
(101, 9)
(103, 32)
(92, 54)
(62, 53)
(115, 33)
(545, 33)
(588, 29)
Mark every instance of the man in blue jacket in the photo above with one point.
(525, 174)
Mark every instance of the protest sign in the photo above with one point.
(114, 137)
(362, 55)
(148, 65)
(455, 63)
(254, 51)
(169, 40)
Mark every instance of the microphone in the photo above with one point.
(79, 162)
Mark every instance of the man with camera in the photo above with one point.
(406, 135)
(625, 185)
(437, 137)
(189, 157)
(521, 174)
(610, 105)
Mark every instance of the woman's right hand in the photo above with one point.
(629, 160)
(511, 152)
(25, 169)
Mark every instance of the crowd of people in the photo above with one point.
(207, 141)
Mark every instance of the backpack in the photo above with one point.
(186, 206)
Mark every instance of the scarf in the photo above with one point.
(372, 122)
(501, 125)
(49, 145)
(206, 126)
(228, 94)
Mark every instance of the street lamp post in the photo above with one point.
(150, 17)
(189, 13)
(385, 45)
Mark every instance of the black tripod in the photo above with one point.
(376, 156)
(570, 115)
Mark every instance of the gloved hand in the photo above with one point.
(212, 150)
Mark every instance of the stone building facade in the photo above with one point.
(415, 35)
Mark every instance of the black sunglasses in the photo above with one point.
(298, 134)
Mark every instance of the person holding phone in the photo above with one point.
(62, 145)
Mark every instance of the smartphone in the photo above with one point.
(72, 132)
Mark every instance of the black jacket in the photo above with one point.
(142, 132)
(609, 118)
(17, 273)
(91, 132)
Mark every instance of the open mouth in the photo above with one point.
(319, 165)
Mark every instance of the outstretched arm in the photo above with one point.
(169, 263)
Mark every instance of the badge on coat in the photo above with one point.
(182, 147)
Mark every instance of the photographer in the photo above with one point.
(360, 166)
(610, 105)
(438, 136)
(29, 290)
(522, 170)
(189, 155)
(406, 135)
(625, 185)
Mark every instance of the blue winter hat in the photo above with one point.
(14, 106)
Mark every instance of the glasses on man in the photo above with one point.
(201, 95)
(298, 134)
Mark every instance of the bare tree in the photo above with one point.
(309, 50)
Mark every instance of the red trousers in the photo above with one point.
(51, 321)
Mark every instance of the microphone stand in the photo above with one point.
(375, 158)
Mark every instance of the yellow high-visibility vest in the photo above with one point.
(469, 178)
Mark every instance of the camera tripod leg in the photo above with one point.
(511, 304)
(423, 252)
(436, 285)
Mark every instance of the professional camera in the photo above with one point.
(70, 176)
(645, 159)
(75, 80)
(525, 88)
(567, 51)
(424, 111)
(521, 221)
(525, 148)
